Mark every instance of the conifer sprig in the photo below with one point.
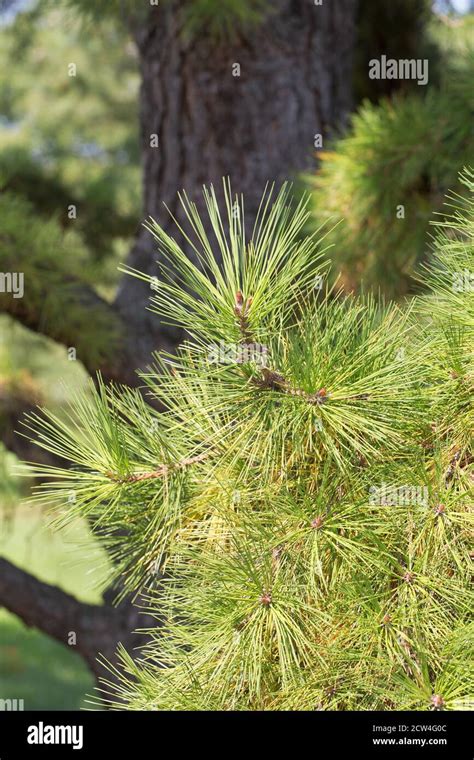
(298, 519)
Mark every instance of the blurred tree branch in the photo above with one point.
(89, 628)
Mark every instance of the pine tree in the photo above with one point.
(295, 507)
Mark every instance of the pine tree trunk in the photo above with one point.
(210, 122)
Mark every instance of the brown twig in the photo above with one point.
(272, 380)
(241, 311)
(159, 472)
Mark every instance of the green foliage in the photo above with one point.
(117, 9)
(82, 149)
(217, 19)
(449, 274)
(23, 654)
(10, 490)
(248, 510)
(451, 311)
(52, 263)
(223, 18)
(401, 152)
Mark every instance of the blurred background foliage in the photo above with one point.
(391, 170)
(59, 146)
(63, 146)
(38, 368)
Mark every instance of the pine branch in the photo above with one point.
(273, 380)
(320, 559)
(98, 629)
(159, 472)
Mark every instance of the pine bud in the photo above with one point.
(408, 577)
(266, 599)
(321, 396)
(239, 300)
(317, 522)
(437, 701)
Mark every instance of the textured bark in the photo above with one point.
(295, 82)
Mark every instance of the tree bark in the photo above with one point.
(259, 127)
(96, 628)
